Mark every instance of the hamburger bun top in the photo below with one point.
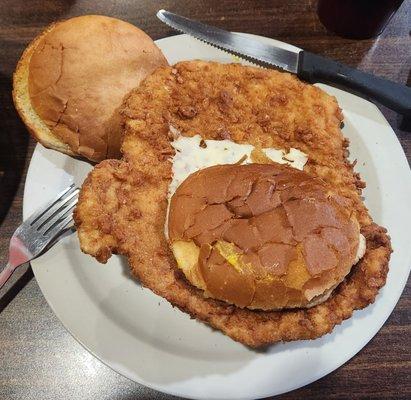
(262, 236)
(72, 79)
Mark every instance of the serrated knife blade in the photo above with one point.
(306, 65)
(239, 45)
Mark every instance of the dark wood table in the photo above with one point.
(38, 357)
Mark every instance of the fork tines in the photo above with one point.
(57, 214)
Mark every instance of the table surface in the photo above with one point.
(38, 357)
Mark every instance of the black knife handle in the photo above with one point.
(313, 68)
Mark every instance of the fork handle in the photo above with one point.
(6, 273)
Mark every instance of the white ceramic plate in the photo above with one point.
(142, 337)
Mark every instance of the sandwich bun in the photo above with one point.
(262, 236)
(71, 80)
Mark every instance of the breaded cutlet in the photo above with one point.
(123, 203)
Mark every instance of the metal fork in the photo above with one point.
(33, 236)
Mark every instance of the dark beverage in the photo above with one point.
(356, 19)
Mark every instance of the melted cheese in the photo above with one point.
(193, 154)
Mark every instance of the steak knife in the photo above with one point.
(307, 66)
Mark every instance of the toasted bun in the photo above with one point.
(71, 80)
(262, 236)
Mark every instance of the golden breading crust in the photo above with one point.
(122, 205)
